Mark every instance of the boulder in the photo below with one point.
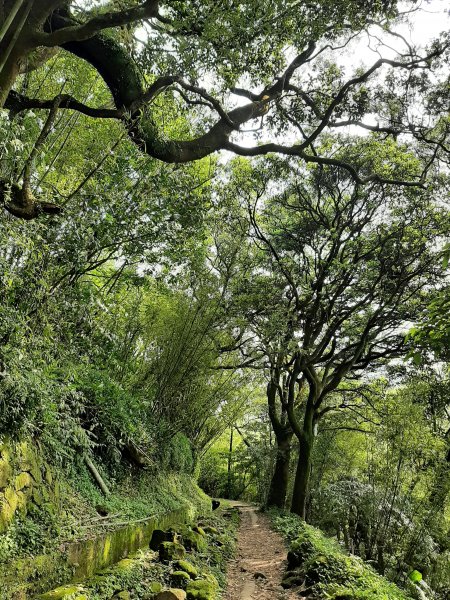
(126, 564)
(187, 567)
(169, 551)
(192, 540)
(202, 589)
(159, 536)
(299, 552)
(292, 580)
(172, 594)
(180, 579)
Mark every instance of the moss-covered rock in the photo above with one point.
(292, 579)
(187, 567)
(123, 595)
(169, 551)
(180, 579)
(202, 589)
(126, 565)
(172, 594)
(211, 530)
(192, 540)
(155, 587)
(159, 536)
(198, 529)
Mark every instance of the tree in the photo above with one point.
(355, 263)
(186, 42)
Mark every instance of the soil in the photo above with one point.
(257, 570)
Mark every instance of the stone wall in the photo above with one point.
(24, 479)
(25, 578)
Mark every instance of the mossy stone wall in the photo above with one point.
(89, 556)
(24, 579)
(25, 478)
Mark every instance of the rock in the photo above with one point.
(201, 589)
(171, 551)
(180, 579)
(210, 529)
(299, 552)
(220, 540)
(126, 564)
(159, 536)
(124, 595)
(192, 540)
(292, 580)
(172, 594)
(155, 587)
(199, 530)
(187, 567)
(259, 575)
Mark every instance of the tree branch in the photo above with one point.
(80, 32)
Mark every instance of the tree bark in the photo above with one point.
(302, 476)
(280, 479)
(283, 434)
(230, 459)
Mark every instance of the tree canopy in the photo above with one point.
(224, 256)
(273, 67)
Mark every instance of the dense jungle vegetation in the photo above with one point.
(224, 257)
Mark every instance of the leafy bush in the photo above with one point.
(325, 568)
(180, 457)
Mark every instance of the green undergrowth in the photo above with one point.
(83, 512)
(142, 576)
(133, 497)
(321, 566)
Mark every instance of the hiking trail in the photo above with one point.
(257, 570)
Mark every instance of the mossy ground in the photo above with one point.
(322, 565)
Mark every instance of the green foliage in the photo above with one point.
(180, 454)
(326, 569)
(139, 496)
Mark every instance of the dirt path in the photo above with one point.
(257, 570)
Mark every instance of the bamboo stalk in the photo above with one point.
(16, 35)
(10, 18)
(98, 478)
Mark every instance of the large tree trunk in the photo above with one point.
(301, 484)
(283, 434)
(280, 479)
(8, 76)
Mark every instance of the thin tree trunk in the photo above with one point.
(98, 478)
(280, 479)
(230, 455)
